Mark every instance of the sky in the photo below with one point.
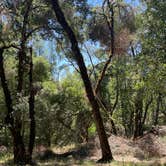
(48, 44)
(99, 2)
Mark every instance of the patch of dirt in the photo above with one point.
(149, 148)
(3, 149)
(78, 153)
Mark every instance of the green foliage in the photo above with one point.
(92, 130)
(155, 29)
(42, 69)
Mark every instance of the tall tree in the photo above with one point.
(106, 152)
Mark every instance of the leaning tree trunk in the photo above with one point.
(102, 74)
(106, 152)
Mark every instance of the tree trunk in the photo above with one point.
(114, 131)
(21, 56)
(103, 105)
(138, 128)
(18, 148)
(106, 152)
(146, 110)
(157, 110)
(31, 110)
(131, 125)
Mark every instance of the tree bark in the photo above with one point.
(114, 131)
(138, 128)
(106, 152)
(18, 147)
(31, 110)
(157, 110)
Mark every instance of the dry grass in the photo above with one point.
(150, 150)
(6, 160)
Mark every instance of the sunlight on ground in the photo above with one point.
(6, 160)
(92, 163)
(63, 149)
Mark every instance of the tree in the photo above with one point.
(106, 152)
(20, 16)
(15, 122)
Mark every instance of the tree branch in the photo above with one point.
(93, 67)
(111, 27)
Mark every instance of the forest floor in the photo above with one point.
(149, 150)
